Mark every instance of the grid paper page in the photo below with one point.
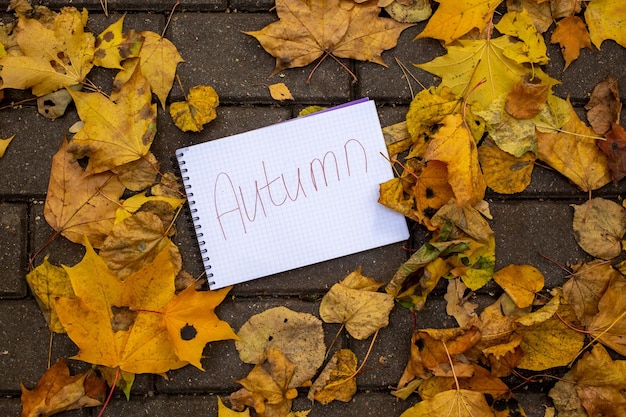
(289, 195)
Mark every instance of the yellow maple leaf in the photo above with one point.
(307, 31)
(158, 59)
(521, 26)
(454, 145)
(115, 133)
(606, 20)
(455, 18)
(192, 323)
(52, 58)
(336, 381)
(520, 282)
(503, 172)
(113, 322)
(469, 62)
(4, 144)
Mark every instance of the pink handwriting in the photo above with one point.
(232, 208)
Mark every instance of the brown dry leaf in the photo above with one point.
(57, 391)
(527, 98)
(458, 306)
(595, 383)
(337, 381)
(299, 336)
(609, 325)
(572, 35)
(79, 205)
(223, 411)
(307, 31)
(573, 152)
(48, 282)
(135, 242)
(505, 173)
(599, 225)
(467, 218)
(452, 403)
(199, 109)
(355, 303)
(520, 282)
(485, 382)
(140, 174)
(115, 133)
(280, 92)
(586, 286)
(505, 357)
(604, 106)
(454, 145)
(268, 388)
(614, 147)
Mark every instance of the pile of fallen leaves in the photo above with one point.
(130, 307)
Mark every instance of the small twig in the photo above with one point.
(117, 375)
(407, 74)
(169, 19)
(343, 325)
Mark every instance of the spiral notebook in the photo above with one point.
(291, 194)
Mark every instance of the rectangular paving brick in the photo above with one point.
(13, 239)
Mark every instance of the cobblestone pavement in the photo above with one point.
(209, 36)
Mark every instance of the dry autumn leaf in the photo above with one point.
(458, 306)
(57, 391)
(192, 323)
(614, 147)
(199, 109)
(521, 283)
(586, 286)
(307, 31)
(280, 92)
(571, 34)
(337, 381)
(4, 144)
(527, 98)
(521, 26)
(79, 205)
(268, 387)
(469, 62)
(158, 59)
(573, 152)
(604, 106)
(452, 403)
(115, 133)
(113, 46)
(355, 303)
(609, 325)
(454, 18)
(121, 323)
(52, 58)
(503, 172)
(223, 411)
(454, 145)
(606, 19)
(48, 282)
(299, 336)
(599, 225)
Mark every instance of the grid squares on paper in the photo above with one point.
(338, 218)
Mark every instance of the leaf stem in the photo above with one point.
(106, 403)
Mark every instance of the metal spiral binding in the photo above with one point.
(195, 219)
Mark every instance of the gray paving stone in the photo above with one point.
(219, 54)
(13, 232)
(525, 230)
(163, 406)
(24, 341)
(363, 404)
(28, 159)
(164, 6)
(10, 407)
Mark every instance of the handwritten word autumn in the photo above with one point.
(279, 189)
